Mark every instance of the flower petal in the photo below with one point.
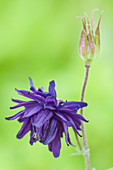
(60, 116)
(32, 87)
(31, 95)
(32, 110)
(16, 115)
(51, 100)
(52, 88)
(78, 116)
(66, 132)
(69, 141)
(33, 135)
(92, 18)
(51, 133)
(44, 130)
(73, 125)
(74, 104)
(83, 40)
(30, 103)
(17, 101)
(77, 125)
(56, 146)
(97, 34)
(50, 147)
(42, 117)
(24, 129)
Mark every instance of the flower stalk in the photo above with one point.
(89, 49)
(86, 153)
(85, 149)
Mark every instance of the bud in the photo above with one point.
(89, 45)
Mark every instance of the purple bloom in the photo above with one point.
(46, 117)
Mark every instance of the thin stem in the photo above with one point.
(86, 154)
(85, 82)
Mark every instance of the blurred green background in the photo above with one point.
(39, 38)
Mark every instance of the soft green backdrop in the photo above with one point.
(39, 38)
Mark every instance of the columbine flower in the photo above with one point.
(89, 45)
(46, 117)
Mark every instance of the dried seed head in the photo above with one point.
(89, 45)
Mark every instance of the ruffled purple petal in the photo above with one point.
(42, 117)
(52, 108)
(39, 132)
(56, 146)
(18, 101)
(32, 87)
(78, 121)
(30, 95)
(69, 140)
(50, 100)
(60, 116)
(33, 135)
(28, 104)
(21, 119)
(24, 129)
(16, 115)
(32, 110)
(77, 125)
(66, 132)
(73, 105)
(50, 147)
(78, 116)
(73, 125)
(45, 130)
(51, 133)
(72, 114)
(52, 88)
(42, 93)
(67, 110)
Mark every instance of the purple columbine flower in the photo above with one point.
(46, 117)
